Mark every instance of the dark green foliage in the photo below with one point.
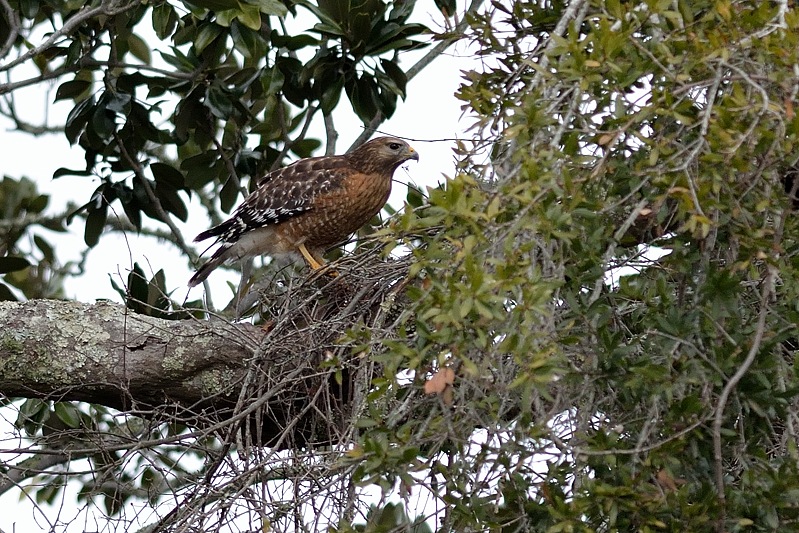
(210, 97)
(27, 260)
(659, 138)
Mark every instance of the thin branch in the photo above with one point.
(51, 75)
(9, 87)
(730, 386)
(30, 467)
(207, 201)
(368, 131)
(91, 62)
(331, 135)
(27, 127)
(123, 225)
(107, 8)
(20, 223)
(231, 168)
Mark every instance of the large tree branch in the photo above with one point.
(104, 354)
(211, 374)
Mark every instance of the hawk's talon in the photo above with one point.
(313, 262)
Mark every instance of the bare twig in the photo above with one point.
(331, 135)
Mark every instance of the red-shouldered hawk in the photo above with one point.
(309, 205)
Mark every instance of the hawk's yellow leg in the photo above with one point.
(314, 262)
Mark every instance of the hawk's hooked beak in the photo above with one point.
(413, 154)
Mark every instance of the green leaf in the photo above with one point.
(6, 295)
(168, 175)
(272, 80)
(102, 124)
(77, 119)
(190, 114)
(68, 414)
(95, 224)
(321, 14)
(132, 209)
(447, 7)
(246, 14)
(119, 103)
(363, 96)
(139, 49)
(292, 42)
(36, 204)
(157, 299)
(116, 287)
(200, 169)
(71, 89)
(332, 30)
(228, 195)
(387, 101)
(415, 196)
(29, 8)
(331, 94)
(164, 20)
(250, 16)
(179, 60)
(396, 74)
(215, 5)
(138, 290)
(250, 43)
(171, 201)
(400, 11)
(12, 264)
(219, 102)
(306, 147)
(70, 172)
(270, 7)
(45, 248)
(207, 34)
(399, 44)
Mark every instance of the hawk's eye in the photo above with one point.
(394, 146)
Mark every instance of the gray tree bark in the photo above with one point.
(103, 353)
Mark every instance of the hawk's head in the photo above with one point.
(382, 154)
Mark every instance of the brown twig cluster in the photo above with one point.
(294, 414)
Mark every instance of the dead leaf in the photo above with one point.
(667, 482)
(448, 396)
(441, 383)
(607, 138)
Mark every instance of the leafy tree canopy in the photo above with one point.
(594, 325)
